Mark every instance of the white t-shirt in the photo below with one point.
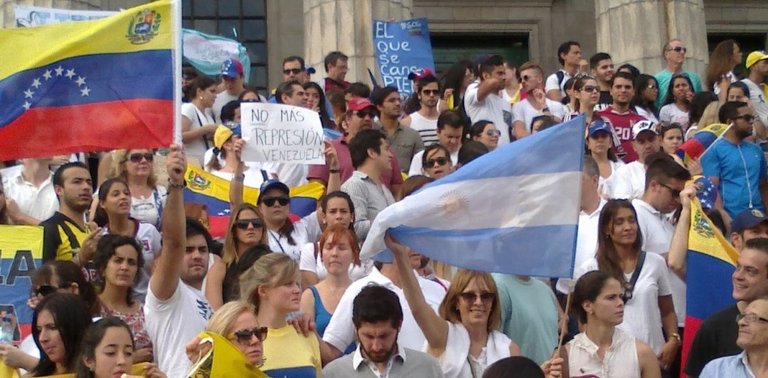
(586, 244)
(174, 322)
(311, 263)
(427, 128)
(456, 362)
(657, 237)
(149, 209)
(290, 174)
(524, 112)
(341, 332)
(757, 98)
(416, 168)
(628, 181)
(149, 239)
(306, 229)
(222, 98)
(197, 118)
(552, 82)
(493, 108)
(648, 115)
(37, 202)
(605, 185)
(642, 318)
(671, 113)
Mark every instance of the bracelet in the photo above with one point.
(172, 186)
(676, 336)
(334, 170)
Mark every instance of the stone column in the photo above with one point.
(635, 31)
(346, 26)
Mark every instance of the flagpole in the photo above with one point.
(716, 140)
(176, 35)
(564, 321)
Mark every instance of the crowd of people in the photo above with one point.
(131, 275)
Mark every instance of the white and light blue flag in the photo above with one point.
(514, 210)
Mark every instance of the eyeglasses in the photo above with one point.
(294, 71)
(679, 49)
(441, 161)
(363, 114)
(675, 192)
(244, 336)
(270, 201)
(590, 89)
(430, 92)
(470, 297)
(136, 157)
(45, 290)
(492, 132)
(244, 223)
(747, 117)
(750, 318)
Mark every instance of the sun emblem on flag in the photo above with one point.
(453, 202)
(143, 27)
(197, 182)
(49, 77)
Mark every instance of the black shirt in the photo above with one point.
(716, 338)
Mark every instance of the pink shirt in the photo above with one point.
(320, 172)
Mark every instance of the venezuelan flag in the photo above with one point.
(88, 85)
(711, 262)
(22, 253)
(694, 147)
(212, 191)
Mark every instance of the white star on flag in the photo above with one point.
(36, 83)
(80, 81)
(59, 70)
(26, 105)
(28, 93)
(70, 73)
(47, 74)
(85, 91)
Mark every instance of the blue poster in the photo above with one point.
(402, 47)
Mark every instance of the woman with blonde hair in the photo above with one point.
(244, 231)
(463, 334)
(237, 322)
(273, 286)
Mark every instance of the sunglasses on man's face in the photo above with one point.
(244, 336)
(244, 223)
(747, 117)
(270, 201)
(441, 161)
(292, 71)
(136, 157)
(430, 92)
(366, 113)
(679, 49)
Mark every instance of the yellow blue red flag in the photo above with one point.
(21, 252)
(89, 85)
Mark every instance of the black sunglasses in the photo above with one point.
(244, 223)
(747, 117)
(136, 157)
(441, 161)
(363, 114)
(430, 92)
(679, 49)
(270, 201)
(294, 71)
(244, 336)
(470, 297)
(45, 290)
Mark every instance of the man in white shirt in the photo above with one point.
(30, 195)
(535, 104)
(482, 100)
(291, 174)
(175, 309)
(233, 79)
(629, 182)
(757, 65)
(569, 56)
(450, 126)
(424, 120)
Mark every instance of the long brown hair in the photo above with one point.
(720, 62)
(229, 251)
(607, 256)
(448, 309)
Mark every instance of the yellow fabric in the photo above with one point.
(221, 136)
(7, 371)
(304, 352)
(705, 238)
(222, 360)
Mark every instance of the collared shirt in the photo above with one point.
(37, 202)
(369, 199)
(628, 181)
(358, 359)
(586, 244)
(406, 143)
(732, 366)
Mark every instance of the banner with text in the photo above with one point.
(29, 16)
(402, 47)
(280, 133)
(21, 252)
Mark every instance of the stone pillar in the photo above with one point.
(635, 31)
(346, 26)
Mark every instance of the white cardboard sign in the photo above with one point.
(278, 133)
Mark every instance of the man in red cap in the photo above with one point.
(360, 114)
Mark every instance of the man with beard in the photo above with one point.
(735, 165)
(424, 120)
(66, 233)
(622, 116)
(378, 317)
(405, 141)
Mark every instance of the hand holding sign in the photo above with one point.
(279, 133)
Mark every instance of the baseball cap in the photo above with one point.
(223, 133)
(599, 125)
(754, 57)
(272, 184)
(420, 73)
(310, 70)
(748, 219)
(232, 68)
(641, 126)
(359, 103)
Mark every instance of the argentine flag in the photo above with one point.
(514, 210)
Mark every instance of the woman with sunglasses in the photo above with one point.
(486, 133)
(113, 214)
(273, 286)
(587, 93)
(644, 278)
(57, 328)
(436, 161)
(602, 348)
(197, 121)
(245, 231)
(118, 260)
(677, 104)
(237, 322)
(644, 101)
(109, 351)
(463, 334)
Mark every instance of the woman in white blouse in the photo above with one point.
(197, 121)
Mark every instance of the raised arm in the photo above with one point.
(678, 249)
(236, 185)
(214, 282)
(434, 327)
(165, 277)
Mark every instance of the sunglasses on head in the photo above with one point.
(294, 71)
(441, 161)
(270, 201)
(428, 92)
(244, 336)
(472, 297)
(244, 223)
(679, 49)
(136, 157)
(366, 113)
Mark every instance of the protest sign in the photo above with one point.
(29, 16)
(402, 47)
(21, 252)
(278, 133)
